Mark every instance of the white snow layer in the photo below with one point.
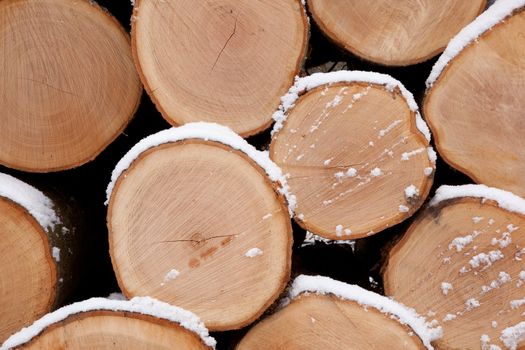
(208, 132)
(141, 305)
(34, 201)
(484, 22)
(324, 285)
(506, 200)
(310, 82)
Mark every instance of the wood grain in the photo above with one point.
(68, 87)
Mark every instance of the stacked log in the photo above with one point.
(481, 75)
(68, 86)
(328, 314)
(100, 323)
(397, 33)
(245, 53)
(39, 249)
(200, 219)
(356, 153)
(464, 254)
(196, 219)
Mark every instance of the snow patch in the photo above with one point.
(311, 239)
(324, 285)
(310, 82)
(484, 22)
(34, 201)
(506, 200)
(376, 172)
(171, 275)
(403, 208)
(253, 252)
(141, 305)
(208, 132)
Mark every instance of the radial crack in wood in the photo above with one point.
(354, 158)
(223, 61)
(327, 322)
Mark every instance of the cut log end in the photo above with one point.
(478, 101)
(115, 330)
(327, 322)
(354, 158)
(198, 224)
(27, 268)
(65, 97)
(394, 34)
(465, 256)
(234, 60)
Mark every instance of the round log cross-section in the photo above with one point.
(475, 104)
(225, 61)
(37, 255)
(68, 86)
(394, 33)
(354, 156)
(97, 323)
(463, 262)
(199, 224)
(328, 314)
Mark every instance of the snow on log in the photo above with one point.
(397, 33)
(100, 323)
(70, 87)
(320, 308)
(227, 63)
(466, 255)
(355, 150)
(475, 100)
(196, 218)
(37, 246)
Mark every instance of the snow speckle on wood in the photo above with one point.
(484, 22)
(34, 201)
(310, 82)
(446, 288)
(55, 251)
(170, 276)
(513, 336)
(505, 200)
(141, 305)
(403, 208)
(253, 252)
(208, 132)
(324, 285)
(311, 238)
(411, 191)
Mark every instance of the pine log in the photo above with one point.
(462, 263)
(69, 86)
(330, 319)
(475, 100)
(355, 151)
(98, 323)
(37, 255)
(399, 33)
(194, 220)
(226, 62)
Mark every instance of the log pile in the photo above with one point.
(277, 186)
